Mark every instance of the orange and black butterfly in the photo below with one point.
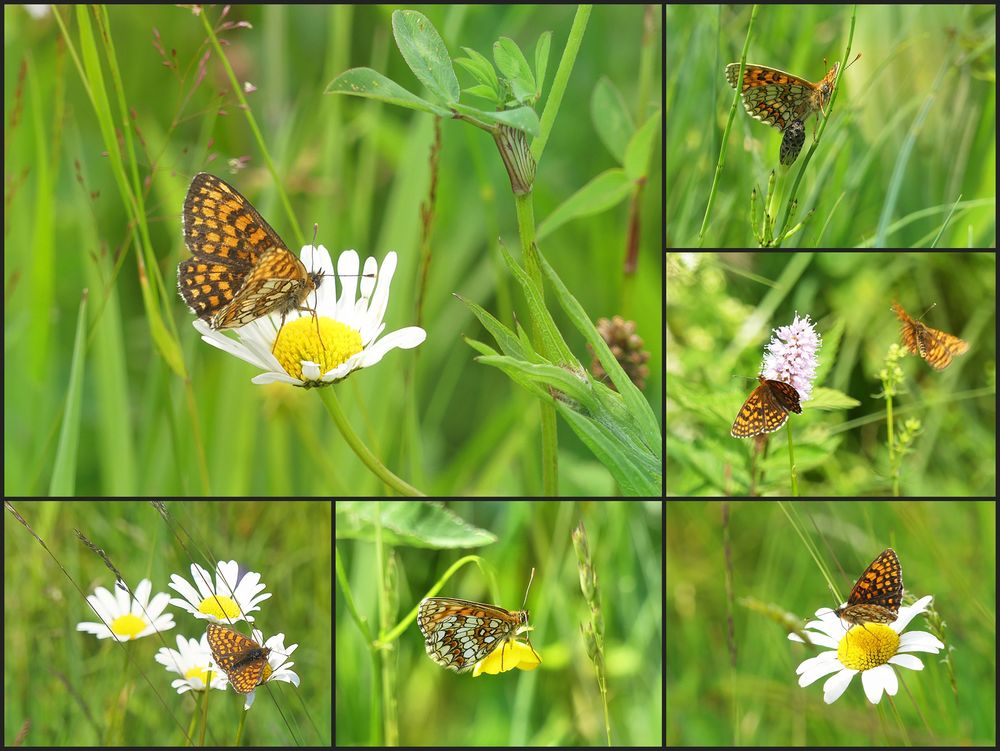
(239, 269)
(766, 409)
(243, 660)
(877, 594)
(936, 347)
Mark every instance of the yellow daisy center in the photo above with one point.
(324, 341)
(867, 647)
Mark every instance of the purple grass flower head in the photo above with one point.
(791, 356)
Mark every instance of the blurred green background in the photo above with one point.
(116, 419)
(73, 689)
(910, 150)
(559, 703)
(730, 668)
(721, 309)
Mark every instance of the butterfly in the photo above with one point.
(877, 594)
(766, 409)
(240, 269)
(461, 634)
(936, 347)
(243, 660)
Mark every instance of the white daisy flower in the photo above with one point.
(342, 336)
(125, 618)
(192, 660)
(870, 650)
(227, 600)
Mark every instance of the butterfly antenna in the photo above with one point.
(315, 309)
(530, 579)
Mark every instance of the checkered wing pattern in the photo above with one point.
(766, 409)
(778, 98)
(243, 660)
(239, 269)
(460, 633)
(279, 283)
(877, 595)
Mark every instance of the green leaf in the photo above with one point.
(523, 118)
(640, 147)
(424, 51)
(482, 69)
(611, 118)
(619, 428)
(481, 91)
(514, 66)
(419, 525)
(365, 82)
(604, 191)
(542, 61)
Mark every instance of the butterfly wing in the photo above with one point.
(908, 330)
(766, 409)
(937, 347)
(881, 584)
(785, 396)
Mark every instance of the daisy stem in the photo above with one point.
(365, 454)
